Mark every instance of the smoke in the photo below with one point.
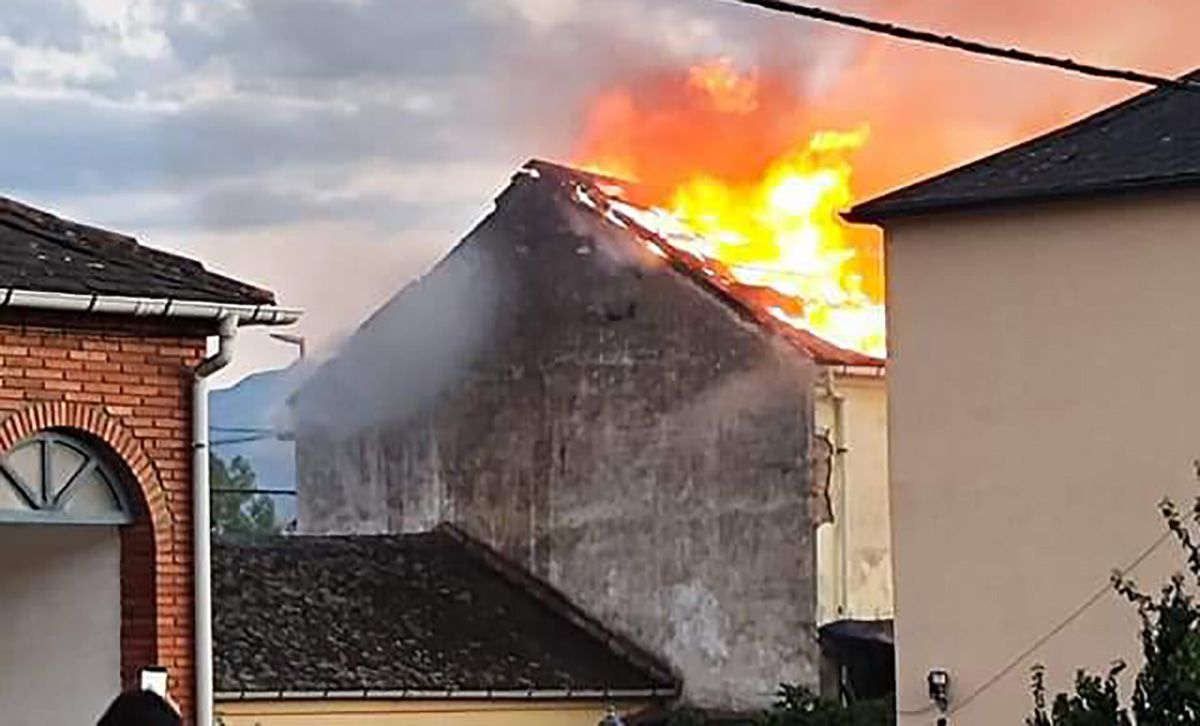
(931, 108)
(409, 351)
(928, 108)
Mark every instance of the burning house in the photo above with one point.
(581, 386)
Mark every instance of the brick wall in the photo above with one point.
(125, 383)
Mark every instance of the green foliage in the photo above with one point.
(687, 717)
(797, 706)
(236, 510)
(1096, 702)
(1167, 688)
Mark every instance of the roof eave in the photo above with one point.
(245, 313)
(878, 211)
(532, 694)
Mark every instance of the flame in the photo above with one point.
(763, 202)
(728, 91)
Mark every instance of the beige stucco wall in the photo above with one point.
(856, 586)
(412, 713)
(1043, 398)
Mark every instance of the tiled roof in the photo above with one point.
(1150, 141)
(42, 252)
(431, 612)
(737, 296)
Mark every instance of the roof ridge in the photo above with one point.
(560, 604)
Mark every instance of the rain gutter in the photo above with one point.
(229, 316)
(463, 695)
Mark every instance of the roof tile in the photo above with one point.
(1149, 141)
(417, 612)
(42, 252)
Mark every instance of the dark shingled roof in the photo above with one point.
(42, 252)
(420, 612)
(1150, 141)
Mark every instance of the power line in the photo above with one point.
(1074, 615)
(273, 492)
(969, 46)
(249, 439)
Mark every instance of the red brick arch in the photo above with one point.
(151, 606)
(94, 421)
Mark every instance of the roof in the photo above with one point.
(45, 253)
(1151, 141)
(430, 612)
(608, 196)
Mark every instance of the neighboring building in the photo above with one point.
(611, 414)
(854, 546)
(854, 560)
(430, 628)
(1043, 398)
(100, 338)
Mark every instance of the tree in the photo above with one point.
(1167, 688)
(236, 510)
(797, 706)
(1096, 702)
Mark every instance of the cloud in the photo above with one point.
(137, 25)
(545, 14)
(320, 145)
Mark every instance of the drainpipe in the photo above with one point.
(838, 401)
(201, 505)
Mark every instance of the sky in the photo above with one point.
(331, 150)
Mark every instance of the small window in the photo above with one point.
(57, 479)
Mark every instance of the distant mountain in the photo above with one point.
(256, 408)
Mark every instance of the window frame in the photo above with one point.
(45, 507)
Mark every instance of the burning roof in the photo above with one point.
(681, 250)
(727, 165)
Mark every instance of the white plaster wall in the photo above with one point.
(60, 615)
(1044, 396)
(861, 587)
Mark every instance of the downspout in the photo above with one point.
(838, 402)
(201, 506)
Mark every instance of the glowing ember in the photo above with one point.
(765, 213)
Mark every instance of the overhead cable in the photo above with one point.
(966, 45)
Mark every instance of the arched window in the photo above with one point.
(53, 478)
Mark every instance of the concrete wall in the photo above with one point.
(411, 713)
(1043, 399)
(854, 559)
(618, 430)
(60, 656)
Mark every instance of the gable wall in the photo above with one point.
(617, 430)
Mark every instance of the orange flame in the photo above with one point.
(719, 150)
